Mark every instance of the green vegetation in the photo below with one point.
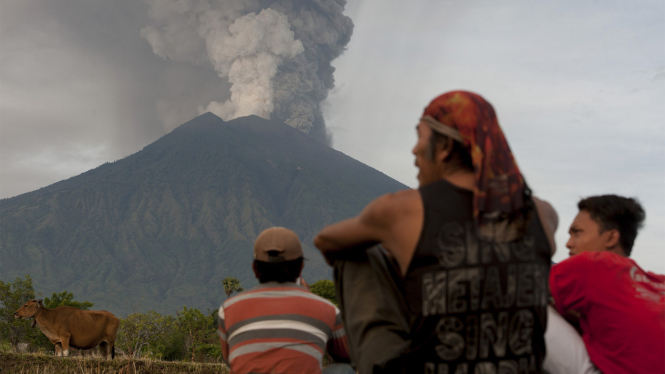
(201, 333)
(231, 285)
(191, 335)
(326, 289)
(13, 296)
(65, 298)
(143, 329)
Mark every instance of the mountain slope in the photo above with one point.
(160, 228)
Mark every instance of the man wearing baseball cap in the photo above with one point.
(280, 326)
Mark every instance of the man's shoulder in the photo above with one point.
(607, 260)
(580, 266)
(601, 257)
(597, 265)
(290, 302)
(328, 304)
(398, 197)
(398, 202)
(276, 291)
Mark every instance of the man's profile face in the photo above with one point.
(586, 235)
(425, 165)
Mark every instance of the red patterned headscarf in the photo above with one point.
(501, 207)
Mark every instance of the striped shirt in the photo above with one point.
(279, 328)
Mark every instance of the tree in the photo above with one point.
(200, 331)
(231, 285)
(12, 297)
(67, 299)
(324, 288)
(140, 329)
(173, 345)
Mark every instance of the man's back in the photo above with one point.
(622, 308)
(478, 305)
(281, 328)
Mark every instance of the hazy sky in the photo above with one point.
(579, 88)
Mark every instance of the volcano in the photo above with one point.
(161, 228)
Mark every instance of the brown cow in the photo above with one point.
(72, 327)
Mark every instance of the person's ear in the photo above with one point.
(612, 239)
(256, 273)
(443, 149)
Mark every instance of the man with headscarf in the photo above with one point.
(472, 247)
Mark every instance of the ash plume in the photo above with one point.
(276, 54)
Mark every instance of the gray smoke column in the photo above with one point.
(276, 54)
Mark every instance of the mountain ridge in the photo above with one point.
(163, 226)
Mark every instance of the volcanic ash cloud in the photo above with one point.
(276, 54)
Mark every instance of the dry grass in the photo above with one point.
(39, 363)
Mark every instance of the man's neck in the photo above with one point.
(461, 179)
(618, 250)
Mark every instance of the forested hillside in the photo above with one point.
(161, 228)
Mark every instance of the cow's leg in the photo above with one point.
(65, 345)
(104, 350)
(58, 349)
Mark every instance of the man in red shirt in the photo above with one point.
(621, 307)
(280, 326)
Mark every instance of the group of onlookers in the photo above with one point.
(459, 278)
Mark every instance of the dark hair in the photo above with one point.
(613, 212)
(459, 157)
(283, 271)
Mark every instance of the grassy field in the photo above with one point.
(39, 363)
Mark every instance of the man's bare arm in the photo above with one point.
(368, 227)
(394, 220)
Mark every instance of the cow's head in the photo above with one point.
(29, 309)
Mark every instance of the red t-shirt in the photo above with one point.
(622, 310)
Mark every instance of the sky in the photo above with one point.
(578, 86)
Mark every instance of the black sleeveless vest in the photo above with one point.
(479, 307)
